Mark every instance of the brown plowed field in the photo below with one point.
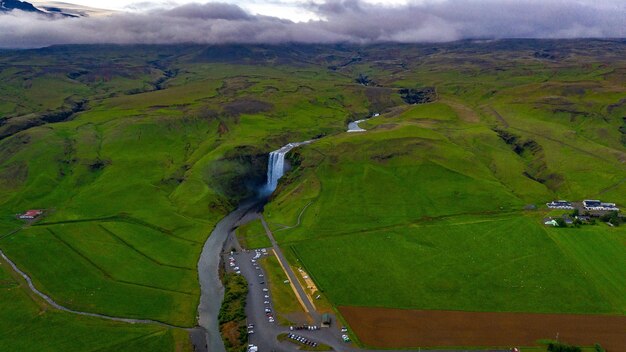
(400, 328)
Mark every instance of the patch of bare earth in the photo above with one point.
(400, 328)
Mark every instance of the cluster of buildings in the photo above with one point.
(560, 204)
(587, 204)
(592, 204)
(30, 214)
(586, 209)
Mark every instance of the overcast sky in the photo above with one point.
(295, 10)
(319, 21)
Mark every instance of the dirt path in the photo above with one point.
(403, 328)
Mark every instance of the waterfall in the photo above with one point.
(276, 166)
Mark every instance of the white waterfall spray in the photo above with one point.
(276, 165)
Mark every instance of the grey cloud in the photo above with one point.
(351, 21)
(209, 11)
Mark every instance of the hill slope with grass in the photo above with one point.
(136, 152)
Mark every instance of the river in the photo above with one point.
(211, 288)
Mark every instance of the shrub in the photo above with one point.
(561, 347)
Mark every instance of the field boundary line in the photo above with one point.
(108, 275)
(10, 233)
(121, 240)
(55, 305)
(120, 218)
(430, 221)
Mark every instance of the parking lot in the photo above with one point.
(262, 326)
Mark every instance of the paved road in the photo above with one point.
(304, 299)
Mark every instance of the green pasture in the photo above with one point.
(26, 323)
(252, 235)
(424, 210)
(502, 263)
(283, 298)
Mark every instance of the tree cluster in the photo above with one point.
(561, 347)
(612, 218)
(232, 317)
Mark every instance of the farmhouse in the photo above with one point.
(593, 204)
(550, 222)
(31, 214)
(560, 204)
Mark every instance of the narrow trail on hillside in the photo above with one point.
(285, 227)
(54, 304)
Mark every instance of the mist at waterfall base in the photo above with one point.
(276, 168)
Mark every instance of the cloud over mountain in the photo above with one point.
(351, 21)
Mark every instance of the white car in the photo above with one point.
(266, 302)
(238, 272)
(266, 296)
(236, 268)
(265, 290)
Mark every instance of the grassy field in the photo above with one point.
(173, 138)
(24, 314)
(252, 235)
(284, 299)
(133, 185)
(432, 196)
(449, 232)
(489, 264)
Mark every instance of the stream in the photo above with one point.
(211, 288)
(354, 125)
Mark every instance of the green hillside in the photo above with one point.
(135, 153)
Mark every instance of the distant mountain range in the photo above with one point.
(10, 5)
(52, 8)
